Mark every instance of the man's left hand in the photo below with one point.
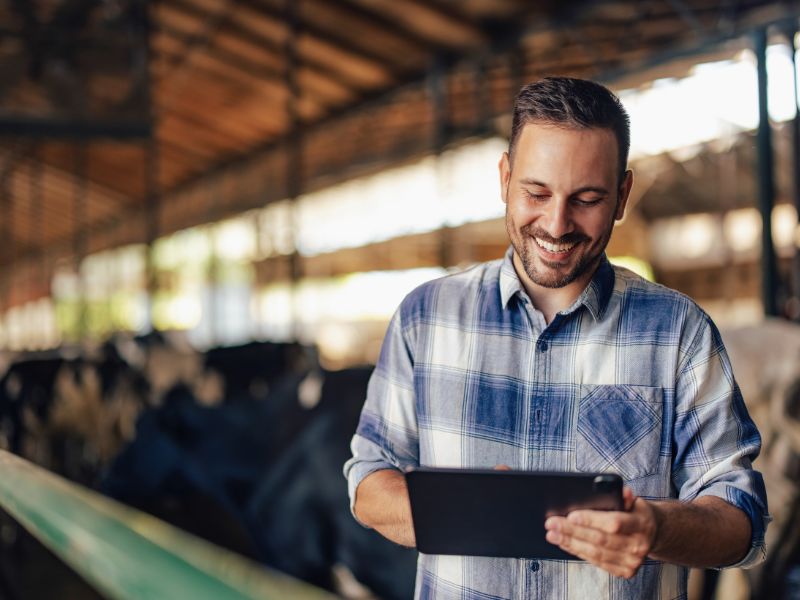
(615, 541)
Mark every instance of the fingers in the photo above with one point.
(593, 536)
(609, 521)
(621, 564)
(614, 541)
(637, 526)
(502, 468)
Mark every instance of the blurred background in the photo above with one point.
(209, 210)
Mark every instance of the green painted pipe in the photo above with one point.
(126, 554)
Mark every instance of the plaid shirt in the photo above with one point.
(632, 378)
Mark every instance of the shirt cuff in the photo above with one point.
(759, 519)
(367, 458)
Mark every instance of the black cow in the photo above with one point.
(270, 470)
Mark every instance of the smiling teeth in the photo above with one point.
(554, 247)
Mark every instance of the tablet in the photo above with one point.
(501, 513)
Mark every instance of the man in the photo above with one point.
(552, 359)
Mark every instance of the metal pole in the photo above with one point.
(37, 214)
(36, 269)
(152, 168)
(215, 298)
(794, 305)
(78, 240)
(6, 230)
(294, 163)
(151, 209)
(766, 181)
(14, 250)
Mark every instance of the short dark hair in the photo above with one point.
(572, 103)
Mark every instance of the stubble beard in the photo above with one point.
(586, 262)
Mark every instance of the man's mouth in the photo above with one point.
(555, 248)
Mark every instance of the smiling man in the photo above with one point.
(553, 359)
(561, 205)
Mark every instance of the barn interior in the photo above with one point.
(211, 209)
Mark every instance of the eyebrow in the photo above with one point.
(587, 188)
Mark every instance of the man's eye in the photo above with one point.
(532, 196)
(588, 201)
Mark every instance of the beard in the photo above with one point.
(555, 274)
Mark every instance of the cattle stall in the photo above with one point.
(210, 209)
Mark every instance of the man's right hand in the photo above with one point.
(382, 503)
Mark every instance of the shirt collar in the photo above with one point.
(509, 282)
(595, 297)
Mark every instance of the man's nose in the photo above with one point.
(558, 220)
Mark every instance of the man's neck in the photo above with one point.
(550, 301)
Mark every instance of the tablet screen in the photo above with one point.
(501, 513)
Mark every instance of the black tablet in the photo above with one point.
(501, 513)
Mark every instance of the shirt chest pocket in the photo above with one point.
(619, 429)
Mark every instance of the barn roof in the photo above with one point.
(124, 120)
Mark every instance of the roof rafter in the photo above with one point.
(247, 34)
(343, 43)
(379, 20)
(400, 14)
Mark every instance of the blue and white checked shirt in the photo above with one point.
(632, 378)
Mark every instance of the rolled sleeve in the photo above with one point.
(367, 458)
(715, 439)
(387, 435)
(755, 511)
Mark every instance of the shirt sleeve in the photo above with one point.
(387, 435)
(715, 439)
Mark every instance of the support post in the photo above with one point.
(793, 306)
(294, 163)
(152, 174)
(7, 249)
(151, 209)
(215, 297)
(766, 181)
(79, 240)
(37, 271)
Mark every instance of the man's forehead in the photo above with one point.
(534, 128)
(545, 147)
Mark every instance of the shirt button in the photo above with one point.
(543, 346)
(534, 566)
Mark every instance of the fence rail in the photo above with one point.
(129, 555)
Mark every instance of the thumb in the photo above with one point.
(628, 498)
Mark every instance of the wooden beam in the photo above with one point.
(76, 129)
(246, 33)
(437, 27)
(342, 41)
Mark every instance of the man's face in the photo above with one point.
(562, 197)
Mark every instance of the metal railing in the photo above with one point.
(126, 554)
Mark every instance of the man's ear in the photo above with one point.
(504, 167)
(624, 192)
